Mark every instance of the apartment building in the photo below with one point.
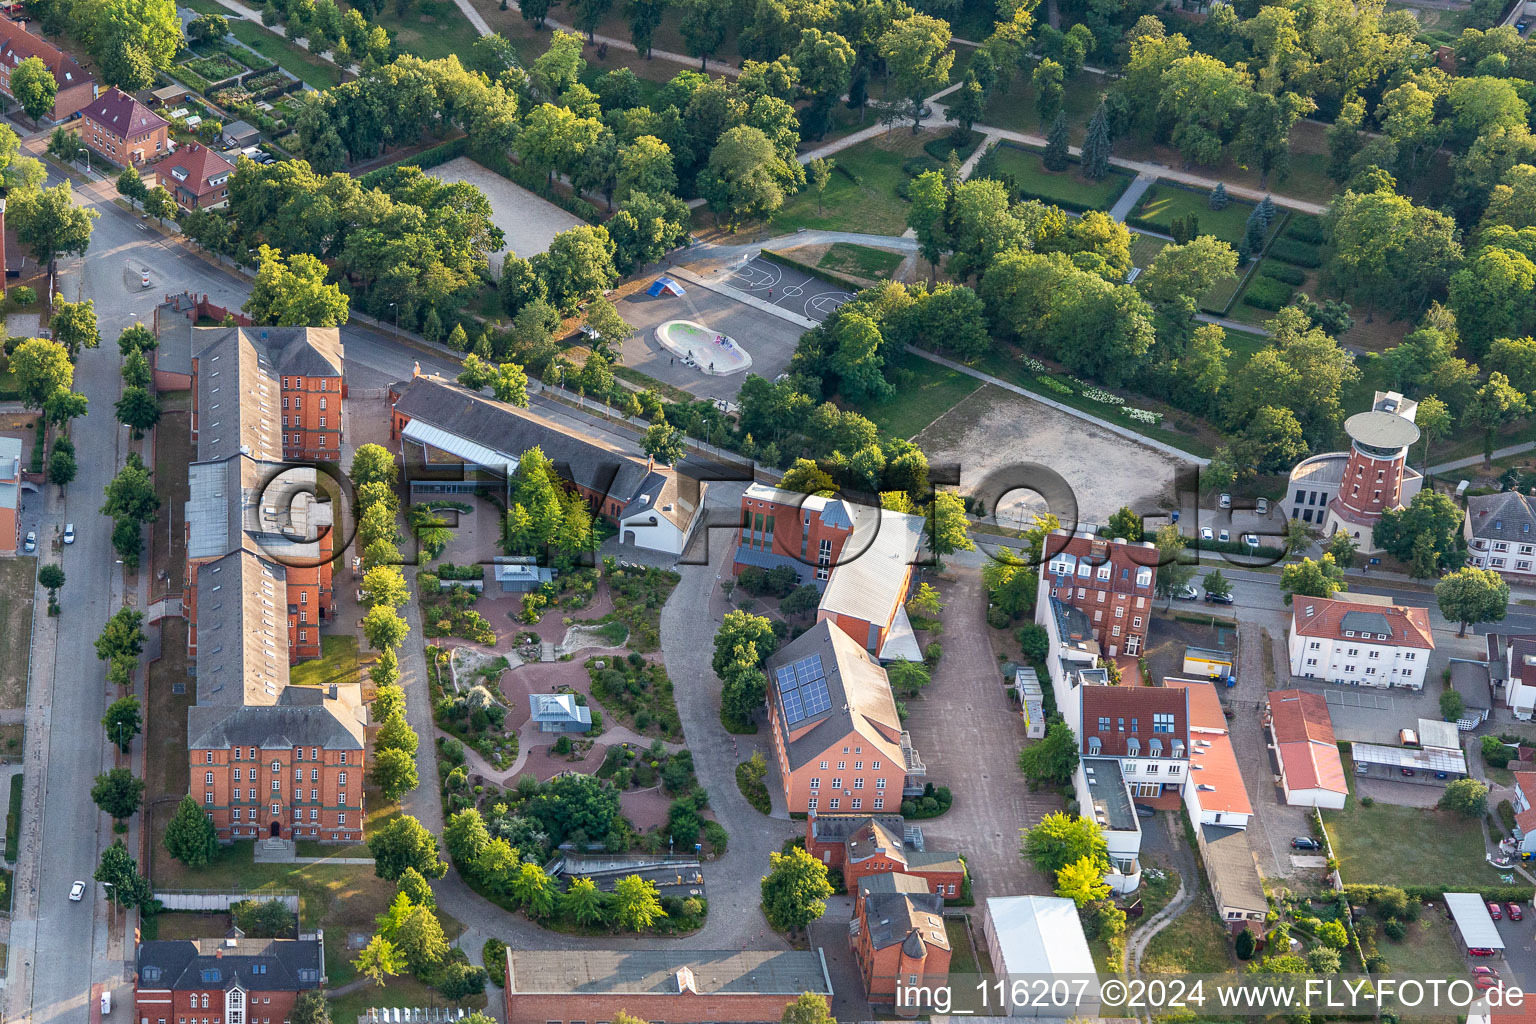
(1364, 640)
(1109, 581)
(897, 934)
(1500, 530)
(861, 845)
(77, 87)
(196, 177)
(120, 128)
(233, 980)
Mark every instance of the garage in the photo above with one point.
(1474, 923)
(1427, 766)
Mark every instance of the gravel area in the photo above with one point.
(529, 222)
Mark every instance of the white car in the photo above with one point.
(1188, 592)
(1224, 536)
(31, 542)
(77, 891)
(1206, 533)
(1261, 506)
(1226, 500)
(69, 533)
(1251, 540)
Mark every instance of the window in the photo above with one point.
(1162, 721)
(858, 766)
(816, 783)
(1314, 645)
(341, 819)
(1410, 655)
(833, 803)
(298, 775)
(341, 778)
(879, 783)
(314, 775)
(811, 804)
(208, 779)
(343, 757)
(856, 803)
(276, 766)
(237, 774)
(322, 401)
(823, 766)
(1175, 769)
(874, 766)
(837, 782)
(236, 814)
(841, 766)
(207, 799)
(277, 785)
(858, 783)
(880, 801)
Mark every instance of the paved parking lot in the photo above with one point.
(1519, 950)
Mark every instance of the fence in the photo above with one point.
(214, 900)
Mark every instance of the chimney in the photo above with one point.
(218, 954)
(416, 369)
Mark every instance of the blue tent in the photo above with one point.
(664, 285)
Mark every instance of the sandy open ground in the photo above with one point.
(529, 222)
(994, 430)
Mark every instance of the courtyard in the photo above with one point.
(528, 222)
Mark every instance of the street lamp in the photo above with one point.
(396, 308)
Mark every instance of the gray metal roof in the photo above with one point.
(1106, 788)
(1366, 622)
(665, 971)
(1230, 865)
(1432, 759)
(1471, 680)
(242, 631)
(1381, 429)
(239, 387)
(859, 697)
(1509, 516)
(871, 578)
(306, 717)
(285, 965)
(1477, 928)
(899, 917)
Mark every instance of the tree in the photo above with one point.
(1056, 143)
(704, 25)
(1264, 136)
(310, 1007)
(928, 217)
(1390, 252)
(945, 526)
(1060, 839)
(1052, 758)
(1306, 578)
(65, 146)
(1098, 145)
(1451, 705)
(745, 178)
(51, 577)
(510, 385)
(925, 602)
(379, 960)
(136, 338)
(159, 204)
(394, 772)
(917, 54)
(118, 792)
(206, 28)
(795, 890)
(48, 222)
(1431, 525)
(384, 628)
(808, 1008)
(645, 165)
(607, 325)
(818, 173)
(1472, 595)
(1217, 584)
(1174, 571)
(1495, 404)
(123, 721)
(1082, 881)
(415, 888)
(1125, 524)
(42, 368)
(1434, 422)
(190, 835)
(385, 585)
(420, 940)
(33, 86)
(907, 678)
(1343, 549)
(1467, 797)
(584, 902)
(1049, 81)
(967, 104)
(635, 903)
(402, 843)
(293, 293)
(138, 409)
(577, 266)
(666, 444)
(74, 324)
(120, 873)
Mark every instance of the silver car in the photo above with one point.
(31, 541)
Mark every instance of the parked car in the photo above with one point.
(1305, 843)
(1479, 951)
(1482, 969)
(1408, 772)
(1362, 769)
(1514, 911)
(1252, 540)
(77, 891)
(1226, 500)
(1225, 535)
(1143, 811)
(1211, 598)
(1485, 982)
(31, 542)
(1188, 592)
(1495, 911)
(1206, 533)
(69, 533)
(1261, 506)
(1521, 26)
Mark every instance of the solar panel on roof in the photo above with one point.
(803, 689)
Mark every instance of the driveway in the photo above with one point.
(970, 738)
(1519, 950)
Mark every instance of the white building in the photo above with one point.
(1501, 533)
(1365, 640)
(1213, 793)
(1301, 735)
(1040, 935)
(1512, 664)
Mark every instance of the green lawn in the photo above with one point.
(311, 69)
(932, 391)
(965, 958)
(430, 29)
(1144, 249)
(1015, 109)
(1067, 187)
(862, 194)
(338, 663)
(1193, 943)
(17, 576)
(1163, 202)
(1390, 845)
(860, 261)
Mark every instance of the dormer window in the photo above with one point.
(1155, 747)
(1094, 745)
(1349, 632)
(1144, 577)
(1132, 745)
(1498, 524)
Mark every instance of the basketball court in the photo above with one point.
(787, 287)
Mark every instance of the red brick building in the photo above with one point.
(77, 87)
(862, 845)
(122, 129)
(897, 934)
(196, 177)
(679, 986)
(836, 734)
(1109, 581)
(233, 980)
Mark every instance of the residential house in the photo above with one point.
(1500, 530)
(196, 177)
(563, 986)
(10, 494)
(559, 712)
(1473, 682)
(836, 734)
(1525, 814)
(860, 558)
(1512, 666)
(120, 128)
(862, 845)
(455, 441)
(1073, 655)
(1214, 793)
(1038, 935)
(234, 979)
(1363, 640)
(1109, 581)
(77, 87)
(1301, 735)
(898, 936)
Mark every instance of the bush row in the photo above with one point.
(1283, 272)
(1267, 293)
(1299, 253)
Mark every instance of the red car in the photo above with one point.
(1484, 981)
(1480, 969)
(1495, 912)
(1513, 910)
(1479, 951)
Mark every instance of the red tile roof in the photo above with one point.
(1130, 710)
(1526, 819)
(17, 44)
(1205, 711)
(1303, 732)
(1324, 617)
(123, 115)
(198, 164)
(1212, 761)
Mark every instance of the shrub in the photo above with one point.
(1282, 272)
(1306, 227)
(494, 955)
(1395, 930)
(1507, 816)
(1299, 253)
(1267, 293)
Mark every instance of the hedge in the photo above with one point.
(1233, 547)
(815, 271)
(1306, 227)
(1299, 253)
(439, 154)
(1490, 894)
(13, 820)
(1282, 272)
(1267, 293)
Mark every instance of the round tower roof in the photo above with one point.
(1381, 429)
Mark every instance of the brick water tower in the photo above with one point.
(1374, 473)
